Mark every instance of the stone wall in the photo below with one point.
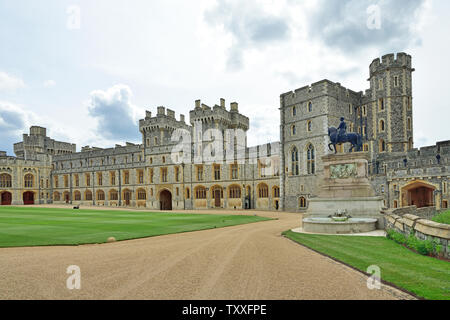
(423, 229)
(424, 213)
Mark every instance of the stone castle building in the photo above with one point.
(276, 176)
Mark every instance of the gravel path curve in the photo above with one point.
(242, 262)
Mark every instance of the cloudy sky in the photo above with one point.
(88, 69)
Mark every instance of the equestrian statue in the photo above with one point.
(340, 136)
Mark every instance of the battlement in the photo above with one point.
(320, 88)
(165, 118)
(391, 60)
(219, 114)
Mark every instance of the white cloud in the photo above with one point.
(49, 83)
(9, 82)
(14, 121)
(117, 117)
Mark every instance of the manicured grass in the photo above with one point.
(424, 276)
(444, 217)
(31, 226)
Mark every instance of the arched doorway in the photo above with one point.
(127, 197)
(28, 198)
(217, 195)
(6, 198)
(165, 200)
(419, 194)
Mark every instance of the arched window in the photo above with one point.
(309, 126)
(200, 193)
(293, 130)
(263, 190)
(88, 195)
(142, 195)
(5, 181)
(235, 192)
(113, 195)
(294, 111)
(276, 192)
(188, 194)
(382, 126)
(295, 166)
(311, 159)
(29, 181)
(409, 124)
(302, 202)
(77, 196)
(382, 146)
(56, 196)
(100, 195)
(310, 107)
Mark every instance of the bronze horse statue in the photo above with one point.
(353, 138)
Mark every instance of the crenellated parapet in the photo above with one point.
(218, 116)
(390, 61)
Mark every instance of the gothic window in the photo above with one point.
(409, 124)
(294, 111)
(113, 195)
(77, 196)
(309, 126)
(141, 176)
(310, 107)
(234, 171)
(276, 192)
(188, 194)
(381, 104)
(5, 181)
(295, 166)
(217, 172)
(311, 158)
(142, 195)
(200, 173)
(177, 174)
(382, 145)
(88, 195)
(302, 202)
(29, 181)
(100, 178)
(263, 190)
(293, 130)
(100, 195)
(113, 178)
(382, 126)
(56, 196)
(235, 192)
(200, 193)
(126, 177)
(163, 174)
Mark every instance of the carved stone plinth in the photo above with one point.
(345, 186)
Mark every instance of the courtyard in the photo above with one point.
(246, 261)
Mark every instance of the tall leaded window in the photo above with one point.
(295, 166)
(311, 159)
(5, 181)
(29, 181)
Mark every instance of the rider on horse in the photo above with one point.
(342, 130)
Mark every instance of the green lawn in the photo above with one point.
(31, 226)
(444, 217)
(424, 276)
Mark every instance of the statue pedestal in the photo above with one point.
(345, 186)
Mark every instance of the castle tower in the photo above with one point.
(157, 131)
(390, 103)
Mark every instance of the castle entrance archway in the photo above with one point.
(6, 199)
(419, 194)
(165, 200)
